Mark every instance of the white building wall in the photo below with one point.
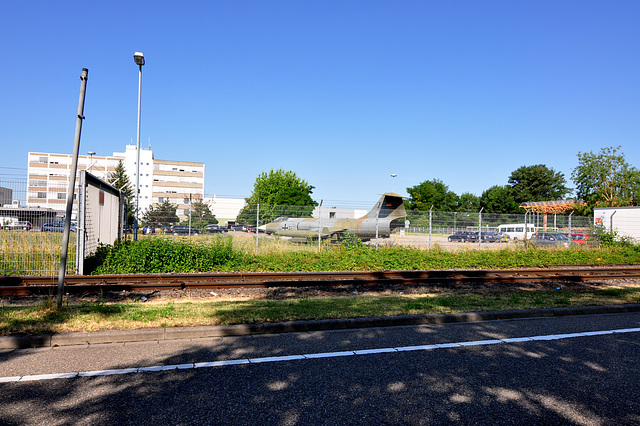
(224, 209)
(624, 220)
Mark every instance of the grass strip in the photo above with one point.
(94, 316)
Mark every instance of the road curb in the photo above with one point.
(180, 333)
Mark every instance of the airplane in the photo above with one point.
(382, 220)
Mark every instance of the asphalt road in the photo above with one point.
(473, 373)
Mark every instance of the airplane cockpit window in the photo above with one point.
(281, 218)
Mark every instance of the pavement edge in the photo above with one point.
(178, 333)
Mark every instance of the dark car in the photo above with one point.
(182, 230)
(216, 229)
(57, 226)
(494, 237)
(551, 239)
(463, 236)
(238, 228)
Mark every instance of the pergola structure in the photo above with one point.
(545, 207)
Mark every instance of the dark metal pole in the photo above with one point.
(70, 189)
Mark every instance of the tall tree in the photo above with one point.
(162, 214)
(499, 199)
(537, 183)
(279, 193)
(119, 179)
(468, 202)
(201, 215)
(606, 179)
(432, 193)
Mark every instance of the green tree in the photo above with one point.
(279, 193)
(499, 199)
(201, 215)
(468, 202)
(606, 179)
(537, 183)
(119, 179)
(161, 215)
(432, 193)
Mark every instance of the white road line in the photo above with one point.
(311, 356)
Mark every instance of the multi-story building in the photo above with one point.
(160, 180)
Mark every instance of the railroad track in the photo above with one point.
(78, 284)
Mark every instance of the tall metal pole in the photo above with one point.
(70, 189)
(319, 225)
(140, 63)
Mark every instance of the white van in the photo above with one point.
(515, 231)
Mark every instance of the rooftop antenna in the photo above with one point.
(149, 143)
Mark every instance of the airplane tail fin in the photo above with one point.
(390, 206)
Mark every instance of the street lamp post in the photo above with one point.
(91, 154)
(393, 176)
(139, 58)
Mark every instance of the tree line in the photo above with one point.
(603, 179)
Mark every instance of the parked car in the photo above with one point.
(462, 236)
(582, 239)
(238, 228)
(22, 225)
(182, 230)
(216, 229)
(57, 226)
(551, 239)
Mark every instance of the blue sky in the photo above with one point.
(344, 93)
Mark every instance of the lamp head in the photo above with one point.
(139, 58)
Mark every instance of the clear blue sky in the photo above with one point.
(343, 93)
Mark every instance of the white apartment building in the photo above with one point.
(160, 180)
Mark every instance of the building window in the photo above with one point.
(161, 199)
(42, 160)
(42, 195)
(62, 196)
(186, 201)
(332, 215)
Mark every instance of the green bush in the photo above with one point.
(160, 255)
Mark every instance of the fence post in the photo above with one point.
(430, 210)
(480, 228)
(571, 214)
(257, 223)
(319, 225)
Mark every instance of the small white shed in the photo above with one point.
(624, 220)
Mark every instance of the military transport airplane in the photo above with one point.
(384, 218)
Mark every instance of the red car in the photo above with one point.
(581, 238)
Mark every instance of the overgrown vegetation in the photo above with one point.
(163, 255)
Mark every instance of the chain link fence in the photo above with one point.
(31, 234)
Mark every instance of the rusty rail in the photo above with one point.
(26, 285)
